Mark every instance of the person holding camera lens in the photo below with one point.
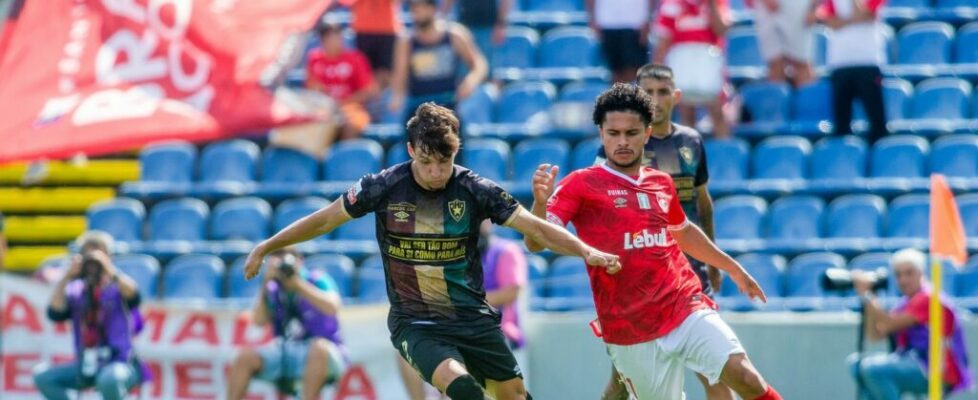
(301, 306)
(887, 376)
(102, 304)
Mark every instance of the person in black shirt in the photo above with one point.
(428, 211)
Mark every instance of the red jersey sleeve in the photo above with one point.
(675, 217)
(362, 75)
(919, 308)
(874, 6)
(665, 21)
(566, 200)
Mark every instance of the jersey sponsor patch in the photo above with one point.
(663, 200)
(643, 201)
(351, 194)
(644, 239)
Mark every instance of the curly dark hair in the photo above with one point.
(434, 130)
(623, 97)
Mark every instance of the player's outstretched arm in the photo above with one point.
(307, 228)
(561, 241)
(694, 242)
(543, 187)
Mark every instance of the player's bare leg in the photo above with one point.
(412, 381)
(245, 365)
(453, 379)
(512, 389)
(775, 70)
(741, 376)
(317, 369)
(615, 389)
(715, 392)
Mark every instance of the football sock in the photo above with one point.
(770, 394)
(465, 387)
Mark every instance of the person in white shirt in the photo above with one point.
(785, 38)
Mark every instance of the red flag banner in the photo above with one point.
(99, 76)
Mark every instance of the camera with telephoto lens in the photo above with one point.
(286, 269)
(91, 269)
(839, 279)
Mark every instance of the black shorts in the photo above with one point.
(379, 50)
(481, 348)
(624, 49)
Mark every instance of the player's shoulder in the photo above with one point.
(390, 176)
(687, 133)
(472, 181)
(655, 176)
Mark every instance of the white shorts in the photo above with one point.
(655, 369)
(784, 33)
(698, 71)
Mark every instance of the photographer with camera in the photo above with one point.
(301, 305)
(102, 305)
(887, 376)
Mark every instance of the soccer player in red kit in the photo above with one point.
(653, 315)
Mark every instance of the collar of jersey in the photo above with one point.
(641, 174)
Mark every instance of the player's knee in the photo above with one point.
(745, 377)
(465, 387)
(247, 359)
(319, 349)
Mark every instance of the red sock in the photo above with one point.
(770, 394)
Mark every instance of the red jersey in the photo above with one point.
(656, 288)
(341, 75)
(688, 21)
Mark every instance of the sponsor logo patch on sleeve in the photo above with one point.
(351, 194)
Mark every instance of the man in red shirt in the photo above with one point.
(690, 40)
(343, 74)
(653, 314)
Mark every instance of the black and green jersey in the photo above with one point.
(428, 240)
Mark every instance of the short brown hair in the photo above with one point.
(434, 130)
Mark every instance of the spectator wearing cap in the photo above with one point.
(345, 76)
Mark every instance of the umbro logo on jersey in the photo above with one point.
(644, 239)
(621, 202)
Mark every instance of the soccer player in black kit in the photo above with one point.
(428, 211)
(678, 151)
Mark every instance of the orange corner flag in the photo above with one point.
(947, 239)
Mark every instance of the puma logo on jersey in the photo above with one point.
(644, 239)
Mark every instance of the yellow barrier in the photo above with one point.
(28, 258)
(92, 172)
(51, 200)
(43, 229)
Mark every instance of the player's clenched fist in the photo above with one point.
(610, 262)
(544, 180)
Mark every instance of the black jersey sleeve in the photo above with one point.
(365, 196)
(496, 202)
(702, 173)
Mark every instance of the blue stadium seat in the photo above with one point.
(243, 218)
(519, 49)
(522, 102)
(193, 276)
(238, 286)
(901, 12)
(855, 216)
(487, 157)
(550, 6)
(120, 217)
(781, 157)
(908, 222)
(537, 275)
(363, 228)
(956, 11)
(923, 49)
(349, 161)
(838, 165)
(571, 114)
(529, 154)
(565, 47)
(956, 157)
(768, 271)
(585, 153)
(968, 208)
(870, 261)
(397, 154)
(795, 224)
(175, 226)
(166, 169)
(584, 92)
(742, 218)
(899, 164)
(803, 280)
(143, 269)
(293, 209)
(897, 95)
(477, 108)
(744, 61)
(227, 169)
(286, 173)
(939, 106)
(811, 109)
(371, 284)
(767, 104)
(966, 52)
(966, 287)
(727, 164)
(338, 267)
(570, 287)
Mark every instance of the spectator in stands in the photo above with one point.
(301, 306)
(427, 64)
(504, 272)
(377, 24)
(785, 38)
(690, 41)
(344, 75)
(102, 304)
(886, 376)
(856, 49)
(486, 19)
(623, 27)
